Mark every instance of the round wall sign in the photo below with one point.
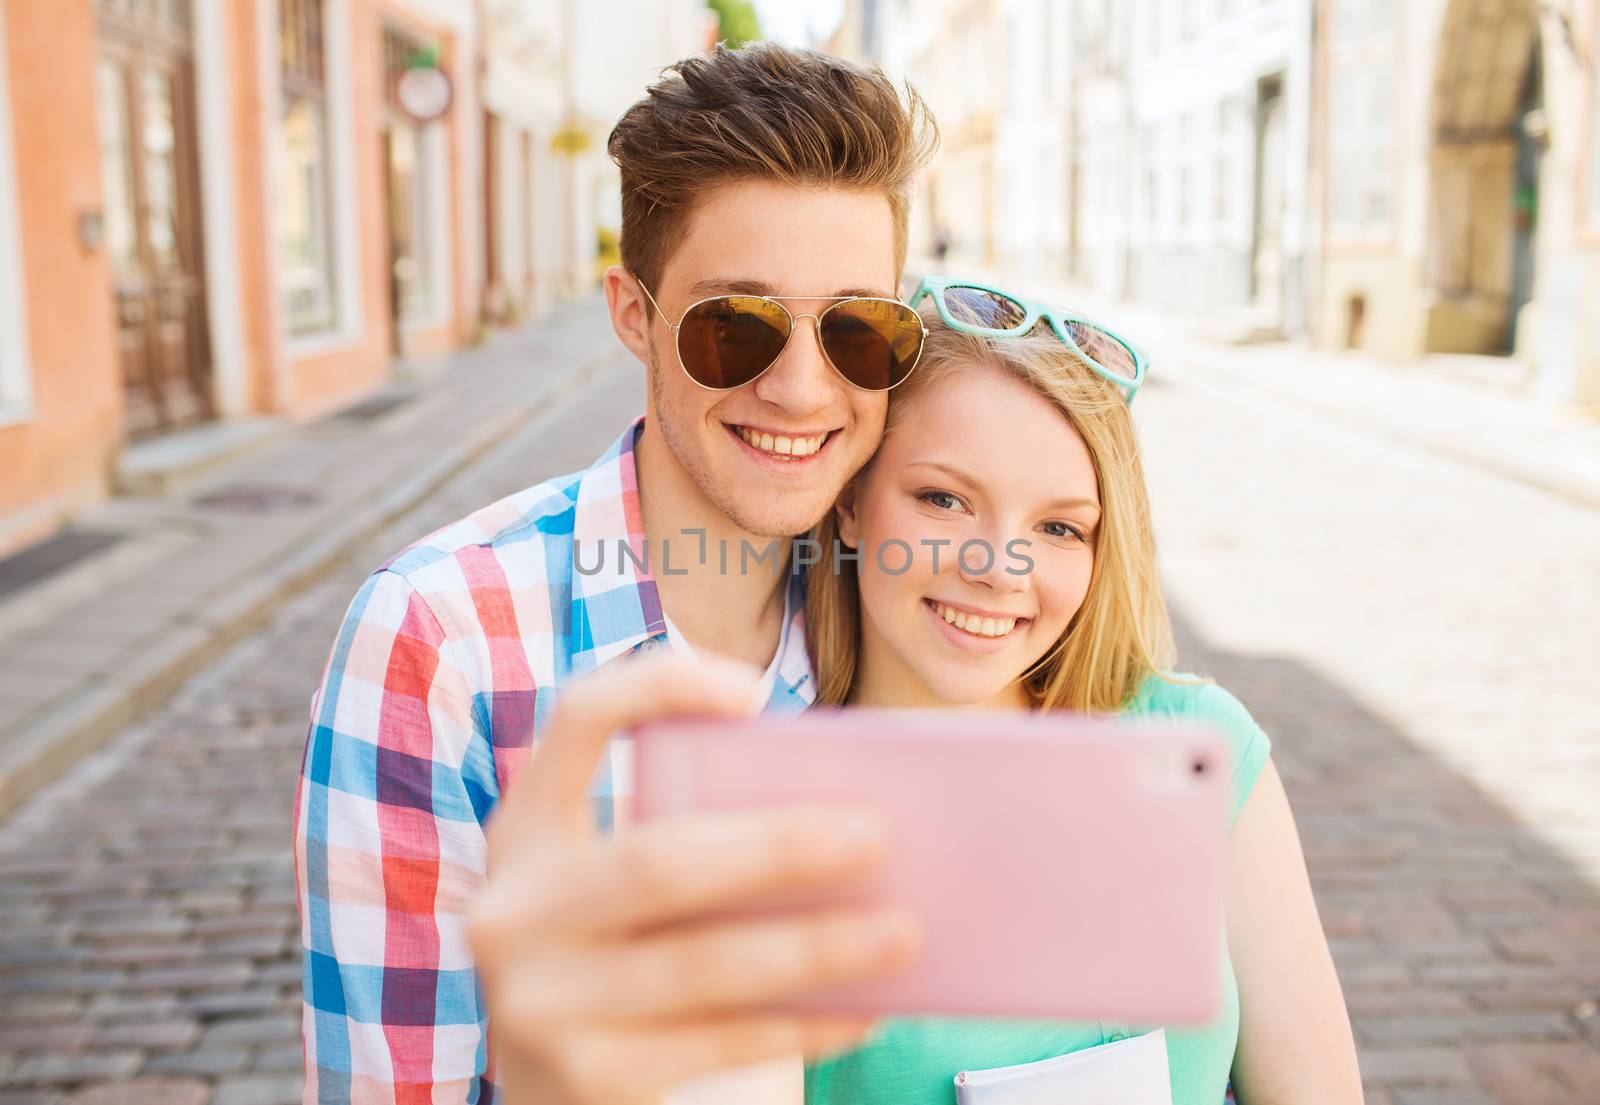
(424, 93)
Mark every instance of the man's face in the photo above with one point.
(773, 239)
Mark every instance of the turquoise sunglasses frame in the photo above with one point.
(936, 286)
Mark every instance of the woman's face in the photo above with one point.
(981, 463)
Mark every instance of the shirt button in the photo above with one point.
(650, 646)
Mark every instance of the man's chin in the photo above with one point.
(767, 518)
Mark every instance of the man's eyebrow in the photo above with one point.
(967, 478)
(718, 285)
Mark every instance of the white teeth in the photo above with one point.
(972, 623)
(782, 446)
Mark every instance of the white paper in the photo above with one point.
(1128, 1072)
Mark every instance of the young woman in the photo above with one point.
(995, 440)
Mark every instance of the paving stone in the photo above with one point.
(254, 1030)
(1412, 1066)
(281, 1057)
(216, 976)
(1470, 1026)
(145, 1091)
(98, 1066)
(35, 1009)
(1538, 1074)
(264, 1090)
(209, 1063)
(157, 1035)
(74, 981)
(232, 1003)
(54, 1037)
(1456, 1095)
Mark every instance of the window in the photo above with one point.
(1594, 145)
(1152, 180)
(16, 390)
(415, 165)
(1362, 59)
(1186, 182)
(305, 228)
(1223, 176)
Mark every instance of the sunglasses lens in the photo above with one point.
(1104, 350)
(979, 307)
(728, 341)
(874, 343)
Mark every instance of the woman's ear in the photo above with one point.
(844, 512)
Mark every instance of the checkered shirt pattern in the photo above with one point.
(448, 661)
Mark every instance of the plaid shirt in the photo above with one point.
(449, 658)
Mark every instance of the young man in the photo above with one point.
(761, 172)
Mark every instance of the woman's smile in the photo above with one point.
(981, 630)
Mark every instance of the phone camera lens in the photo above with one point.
(1199, 767)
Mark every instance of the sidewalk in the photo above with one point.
(87, 648)
(1444, 405)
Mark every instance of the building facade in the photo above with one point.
(1459, 147)
(1404, 177)
(223, 211)
(1199, 160)
(1147, 148)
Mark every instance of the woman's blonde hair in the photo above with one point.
(1122, 633)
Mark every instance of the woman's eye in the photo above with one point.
(944, 500)
(1061, 529)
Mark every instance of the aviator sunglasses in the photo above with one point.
(727, 341)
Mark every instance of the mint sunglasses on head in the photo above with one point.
(973, 308)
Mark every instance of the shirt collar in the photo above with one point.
(617, 608)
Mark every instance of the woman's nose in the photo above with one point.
(987, 561)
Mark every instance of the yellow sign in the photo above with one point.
(570, 141)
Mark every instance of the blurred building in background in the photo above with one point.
(1460, 171)
(1404, 177)
(214, 212)
(1147, 148)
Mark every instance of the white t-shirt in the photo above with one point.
(777, 1081)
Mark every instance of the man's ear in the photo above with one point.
(630, 312)
(844, 512)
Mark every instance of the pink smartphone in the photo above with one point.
(1062, 867)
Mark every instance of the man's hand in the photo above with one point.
(606, 977)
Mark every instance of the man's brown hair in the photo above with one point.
(763, 112)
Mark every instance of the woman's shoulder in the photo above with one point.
(1185, 694)
(1190, 697)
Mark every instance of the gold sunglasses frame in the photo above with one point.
(794, 320)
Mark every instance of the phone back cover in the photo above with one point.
(1062, 867)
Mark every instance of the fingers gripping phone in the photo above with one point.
(1062, 867)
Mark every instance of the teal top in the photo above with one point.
(914, 1060)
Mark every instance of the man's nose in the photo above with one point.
(801, 380)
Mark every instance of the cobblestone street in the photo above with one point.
(1418, 638)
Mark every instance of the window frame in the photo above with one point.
(305, 77)
(1589, 207)
(16, 378)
